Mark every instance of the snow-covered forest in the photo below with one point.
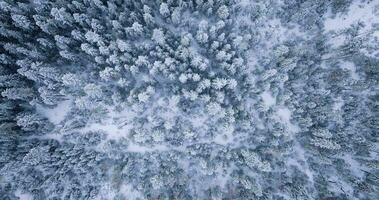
(189, 99)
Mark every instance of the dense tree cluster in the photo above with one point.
(188, 99)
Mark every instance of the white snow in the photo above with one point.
(284, 115)
(337, 41)
(113, 131)
(358, 12)
(225, 136)
(268, 99)
(338, 104)
(55, 136)
(299, 160)
(108, 191)
(355, 166)
(338, 185)
(116, 124)
(199, 120)
(136, 148)
(23, 195)
(57, 114)
(130, 193)
(351, 68)
(222, 177)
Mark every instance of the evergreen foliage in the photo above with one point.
(189, 99)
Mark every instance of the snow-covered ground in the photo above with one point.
(189, 100)
(365, 13)
(56, 114)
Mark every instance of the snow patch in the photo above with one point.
(225, 137)
(284, 115)
(57, 114)
(117, 124)
(108, 191)
(338, 104)
(302, 163)
(336, 41)
(130, 193)
(23, 195)
(357, 13)
(113, 131)
(268, 99)
(133, 147)
(355, 166)
(198, 121)
(351, 68)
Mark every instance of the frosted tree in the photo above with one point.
(158, 36)
(138, 99)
